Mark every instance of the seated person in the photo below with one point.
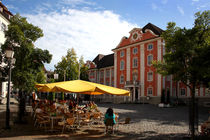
(109, 115)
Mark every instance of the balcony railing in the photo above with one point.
(132, 83)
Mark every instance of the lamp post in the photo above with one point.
(9, 54)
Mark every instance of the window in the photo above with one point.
(135, 62)
(196, 92)
(112, 71)
(149, 91)
(182, 92)
(149, 60)
(102, 74)
(112, 83)
(150, 47)
(168, 78)
(121, 79)
(107, 73)
(135, 50)
(122, 53)
(122, 65)
(174, 91)
(135, 76)
(91, 74)
(107, 82)
(149, 76)
(3, 27)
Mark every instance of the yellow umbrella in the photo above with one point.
(83, 87)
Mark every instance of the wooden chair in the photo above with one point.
(68, 123)
(40, 120)
(85, 119)
(109, 126)
(96, 118)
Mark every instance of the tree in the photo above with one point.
(68, 66)
(29, 59)
(83, 69)
(187, 55)
(28, 69)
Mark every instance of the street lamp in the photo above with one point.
(9, 55)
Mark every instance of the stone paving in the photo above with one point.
(147, 122)
(150, 120)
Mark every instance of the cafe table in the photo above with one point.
(53, 119)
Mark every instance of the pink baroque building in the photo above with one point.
(130, 67)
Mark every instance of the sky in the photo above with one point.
(95, 27)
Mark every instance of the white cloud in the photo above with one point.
(88, 32)
(195, 0)
(180, 9)
(76, 2)
(205, 5)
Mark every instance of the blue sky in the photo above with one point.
(97, 26)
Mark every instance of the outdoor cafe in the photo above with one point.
(68, 114)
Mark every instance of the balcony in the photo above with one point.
(132, 83)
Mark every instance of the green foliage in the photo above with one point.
(70, 66)
(30, 61)
(83, 70)
(187, 52)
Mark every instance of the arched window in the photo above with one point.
(149, 91)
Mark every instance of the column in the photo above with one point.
(115, 69)
(158, 75)
(128, 57)
(142, 69)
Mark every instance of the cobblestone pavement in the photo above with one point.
(147, 122)
(150, 120)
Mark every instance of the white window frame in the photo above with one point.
(149, 49)
(149, 89)
(122, 53)
(112, 72)
(92, 73)
(135, 50)
(107, 73)
(122, 76)
(168, 78)
(101, 74)
(122, 68)
(196, 92)
(181, 92)
(107, 82)
(148, 76)
(135, 66)
(148, 60)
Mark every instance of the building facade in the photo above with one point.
(5, 16)
(132, 69)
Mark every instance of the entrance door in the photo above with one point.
(136, 94)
